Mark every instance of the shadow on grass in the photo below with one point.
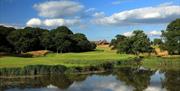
(16, 55)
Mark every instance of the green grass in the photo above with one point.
(100, 55)
(162, 63)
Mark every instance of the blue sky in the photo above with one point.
(98, 19)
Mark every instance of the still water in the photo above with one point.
(124, 79)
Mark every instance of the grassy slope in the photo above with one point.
(102, 54)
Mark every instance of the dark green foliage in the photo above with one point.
(21, 39)
(46, 40)
(119, 39)
(135, 44)
(81, 43)
(37, 34)
(157, 41)
(58, 40)
(5, 46)
(172, 37)
(141, 43)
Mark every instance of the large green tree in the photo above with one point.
(37, 34)
(172, 37)
(82, 43)
(157, 41)
(141, 42)
(46, 40)
(119, 39)
(5, 46)
(22, 40)
(135, 44)
(61, 39)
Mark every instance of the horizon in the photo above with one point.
(98, 20)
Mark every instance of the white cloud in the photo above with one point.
(16, 26)
(90, 10)
(34, 22)
(60, 22)
(154, 88)
(147, 15)
(54, 9)
(154, 33)
(151, 33)
(53, 22)
(99, 14)
(166, 4)
(128, 34)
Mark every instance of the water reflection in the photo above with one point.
(124, 79)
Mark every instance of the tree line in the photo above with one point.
(59, 40)
(140, 43)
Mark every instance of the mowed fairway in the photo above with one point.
(100, 55)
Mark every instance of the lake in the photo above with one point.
(121, 79)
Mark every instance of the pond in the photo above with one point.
(122, 79)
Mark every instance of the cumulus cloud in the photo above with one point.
(52, 9)
(34, 22)
(128, 34)
(147, 15)
(99, 14)
(154, 33)
(16, 26)
(151, 33)
(60, 22)
(53, 22)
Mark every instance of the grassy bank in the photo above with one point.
(86, 61)
(101, 55)
(162, 63)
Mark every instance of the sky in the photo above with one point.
(97, 19)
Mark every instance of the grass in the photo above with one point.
(162, 63)
(101, 55)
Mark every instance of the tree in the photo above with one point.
(46, 40)
(61, 39)
(114, 42)
(82, 43)
(157, 41)
(141, 43)
(5, 46)
(172, 37)
(135, 44)
(58, 40)
(21, 39)
(36, 37)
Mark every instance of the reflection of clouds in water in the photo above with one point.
(154, 88)
(103, 83)
(156, 82)
(92, 83)
(35, 89)
(100, 83)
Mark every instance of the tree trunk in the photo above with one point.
(57, 51)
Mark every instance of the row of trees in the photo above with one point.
(140, 43)
(58, 40)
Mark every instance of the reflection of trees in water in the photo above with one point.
(139, 79)
(172, 80)
(61, 81)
